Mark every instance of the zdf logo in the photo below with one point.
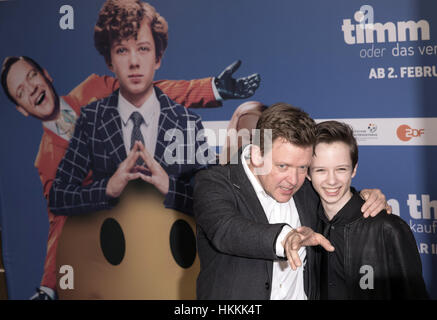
(405, 133)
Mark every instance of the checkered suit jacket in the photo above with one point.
(97, 145)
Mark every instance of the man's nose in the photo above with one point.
(133, 59)
(32, 87)
(292, 176)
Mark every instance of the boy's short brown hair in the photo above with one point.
(335, 131)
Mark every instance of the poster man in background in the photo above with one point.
(29, 86)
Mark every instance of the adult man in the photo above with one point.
(247, 215)
(383, 245)
(30, 88)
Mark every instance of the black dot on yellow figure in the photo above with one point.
(183, 243)
(112, 241)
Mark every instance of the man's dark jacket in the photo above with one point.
(236, 243)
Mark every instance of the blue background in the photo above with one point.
(296, 46)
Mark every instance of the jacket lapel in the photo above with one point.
(163, 126)
(110, 129)
(241, 182)
(305, 217)
(300, 206)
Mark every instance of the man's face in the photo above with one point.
(134, 63)
(331, 173)
(32, 91)
(289, 165)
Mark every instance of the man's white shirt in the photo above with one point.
(150, 110)
(64, 125)
(287, 284)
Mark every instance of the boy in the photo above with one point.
(383, 245)
(115, 135)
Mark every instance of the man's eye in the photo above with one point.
(303, 169)
(33, 73)
(144, 49)
(120, 50)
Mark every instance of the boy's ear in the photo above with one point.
(158, 63)
(354, 172)
(109, 64)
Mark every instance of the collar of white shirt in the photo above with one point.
(245, 156)
(148, 109)
(51, 125)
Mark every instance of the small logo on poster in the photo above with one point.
(365, 131)
(406, 133)
(372, 127)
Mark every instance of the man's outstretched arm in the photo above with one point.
(209, 92)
